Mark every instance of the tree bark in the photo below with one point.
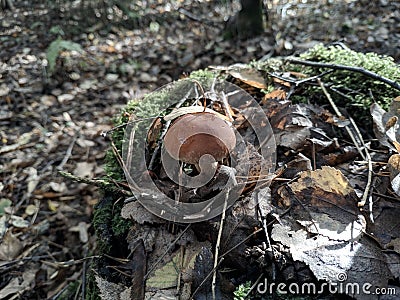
(248, 22)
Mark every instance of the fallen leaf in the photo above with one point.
(15, 286)
(327, 179)
(10, 247)
(394, 169)
(19, 222)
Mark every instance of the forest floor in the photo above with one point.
(51, 120)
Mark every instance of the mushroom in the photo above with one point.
(194, 135)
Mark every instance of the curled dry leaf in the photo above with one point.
(325, 205)
(386, 124)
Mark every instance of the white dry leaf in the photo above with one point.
(394, 170)
(84, 143)
(333, 229)
(65, 97)
(10, 247)
(301, 246)
(4, 90)
(84, 169)
(58, 187)
(15, 286)
(112, 291)
(386, 125)
(88, 83)
(19, 222)
(169, 294)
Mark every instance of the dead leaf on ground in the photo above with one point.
(386, 124)
(250, 76)
(10, 247)
(16, 286)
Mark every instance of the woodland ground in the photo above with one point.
(52, 122)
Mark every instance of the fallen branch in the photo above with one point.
(363, 71)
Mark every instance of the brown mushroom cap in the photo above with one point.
(193, 135)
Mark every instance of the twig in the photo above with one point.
(103, 184)
(68, 153)
(253, 286)
(301, 81)
(363, 71)
(104, 133)
(205, 279)
(221, 226)
(339, 114)
(253, 233)
(369, 178)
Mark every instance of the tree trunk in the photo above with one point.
(248, 22)
(7, 4)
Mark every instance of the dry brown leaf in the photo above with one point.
(84, 169)
(112, 291)
(248, 75)
(327, 179)
(135, 211)
(394, 169)
(10, 247)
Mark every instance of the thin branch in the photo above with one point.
(166, 252)
(358, 142)
(360, 70)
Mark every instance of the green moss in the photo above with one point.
(203, 75)
(358, 91)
